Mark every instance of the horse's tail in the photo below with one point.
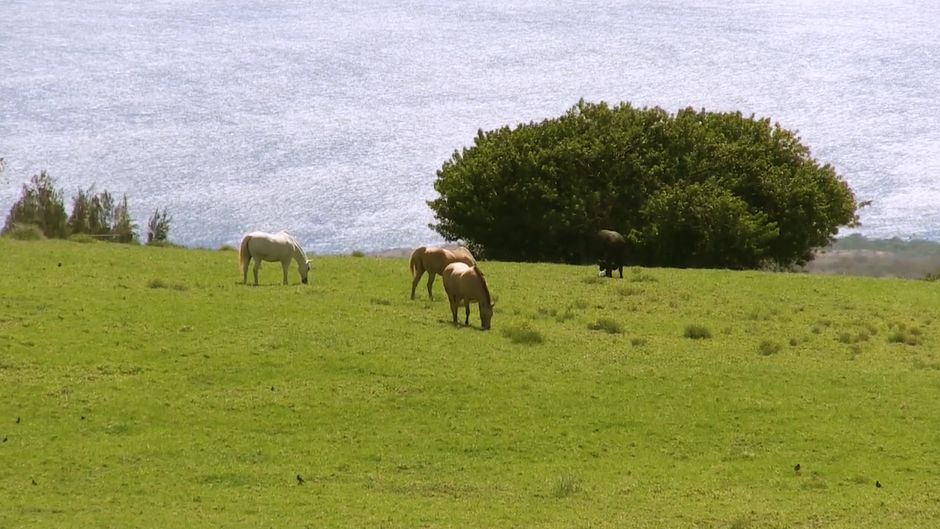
(416, 265)
(243, 255)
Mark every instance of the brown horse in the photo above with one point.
(433, 260)
(464, 284)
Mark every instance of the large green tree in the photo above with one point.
(695, 188)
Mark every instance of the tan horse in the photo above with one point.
(464, 284)
(433, 260)
(262, 246)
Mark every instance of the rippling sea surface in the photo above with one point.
(330, 119)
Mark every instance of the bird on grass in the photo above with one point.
(300, 480)
(878, 484)
(796, 468)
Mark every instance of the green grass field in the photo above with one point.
(146, 387)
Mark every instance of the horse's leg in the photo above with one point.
(245, 270)
(621, 271)
(285, 265)
(430, 283)
(415, 280)
(466, 321)
(257, 267)
(453, 307)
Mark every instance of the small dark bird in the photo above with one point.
(4, 438)
(17, 420)
(60, 264)
(796, 468)
(34, 481)
(272, 388)
(300, 480)
(83, 417)
(878, 484)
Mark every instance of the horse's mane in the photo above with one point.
(486, 288)
(295, 243)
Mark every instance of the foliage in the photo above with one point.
(41, 205)
(143, 404)
(158, 227)
(24, 232)
(92, 213)
(694, 189)
(123, 228)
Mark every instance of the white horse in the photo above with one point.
(281, 246)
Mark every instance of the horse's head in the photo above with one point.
(304, 268)
(486, 315)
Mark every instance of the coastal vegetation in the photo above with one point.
(40, 213)
(147, 387)
(690, 189)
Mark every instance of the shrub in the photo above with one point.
(358, 253)
(693, 188)
(123, 228)
(92, 213)
(24, 232)
(40, 204)
(158, 227)
(697, 332)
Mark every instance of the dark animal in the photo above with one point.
(611, 247)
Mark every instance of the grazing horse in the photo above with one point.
(433, 260)
(281, 246)
(610, 250)
(464, 284)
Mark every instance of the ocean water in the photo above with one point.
(330, 119)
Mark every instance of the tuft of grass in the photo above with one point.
(768, 348)
(82, 238)
(697, 332)
(566, 485)
(159, 283)
(637, 342)
(629, 291)
(227, 248)
(523, 333)
(380, 301)
(163, 243)
(592, 280)
(607, 325)
(357, 253)
(903, 335)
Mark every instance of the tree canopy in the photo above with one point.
(690, 189)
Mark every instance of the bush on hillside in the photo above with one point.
(24, 232)
(691, 189)
(92, 213)
(158, 227)
(40, 204)
(123, 229)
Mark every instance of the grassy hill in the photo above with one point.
(146, 387)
